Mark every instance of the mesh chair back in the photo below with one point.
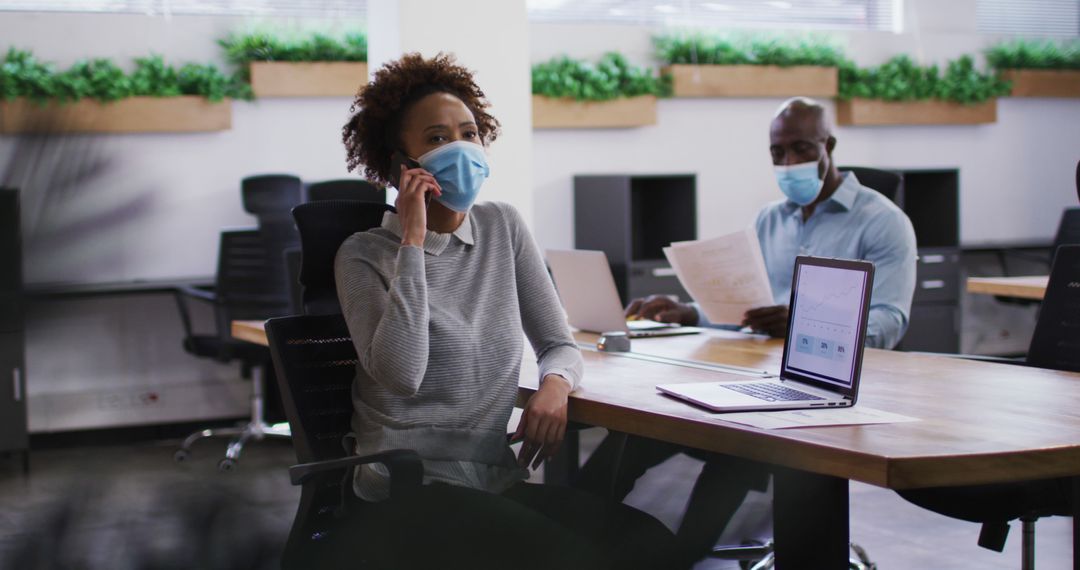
(889, 184)
(316, 364)
(347, 189)
(323, 226)
(1055, 343)
(243, 288)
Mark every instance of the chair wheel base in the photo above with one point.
(226, 465)
(181, 456)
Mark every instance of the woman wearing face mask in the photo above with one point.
(436, 300)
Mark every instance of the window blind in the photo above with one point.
(805, 14)
(1060, 18)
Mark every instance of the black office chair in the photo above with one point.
(889, 184)
(346, 189)
(316, 363)
(240, 292)
(323, 226)
(1054, 345)
(271, 198)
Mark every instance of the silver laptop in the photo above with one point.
(587, 289)
(830, 301)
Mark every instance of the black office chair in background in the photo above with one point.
(271, 198)
(316, 363)
(345, 189)
(889, 184)
(240, 292)
(323, 226)
(1054, 345)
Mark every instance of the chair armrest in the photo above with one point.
(406, 470)
(197, 293)
(180, 293)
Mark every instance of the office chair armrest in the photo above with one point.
(196, 293)
(978, 357)
(180, 293)
(406, 470)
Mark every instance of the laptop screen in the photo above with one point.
(828, 313)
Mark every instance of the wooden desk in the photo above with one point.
(980, 423)
(1030, 287)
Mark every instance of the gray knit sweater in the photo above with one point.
(438, 334)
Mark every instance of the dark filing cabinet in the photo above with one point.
(931, 199)
(632, 218)
(13, 433)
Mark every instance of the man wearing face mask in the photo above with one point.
(823, 213)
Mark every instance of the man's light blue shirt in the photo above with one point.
(854, 223)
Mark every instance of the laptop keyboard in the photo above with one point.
(770, 392)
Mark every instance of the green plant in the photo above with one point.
(901, 79)
(1034, 54)
(242, 49)
(716, 49)
(610, 78)
(21, 75)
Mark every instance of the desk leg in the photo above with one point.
(810, 520)
(1076, 526)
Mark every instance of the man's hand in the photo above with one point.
(663, 309)
(543, 423)
(771, 320)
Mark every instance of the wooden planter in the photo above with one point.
(186, 113)
(551, 113)
(1043, 83)
(929, 112)
(752, 80)
(307, 79)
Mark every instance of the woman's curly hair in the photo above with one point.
(372, 134)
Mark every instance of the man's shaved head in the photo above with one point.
(803, 111)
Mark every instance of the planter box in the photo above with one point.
(187, 113)
(1043, 83)
(929, 112)
(551, 113)
(307, 79)
(752, 80)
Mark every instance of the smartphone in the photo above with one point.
(396, 160)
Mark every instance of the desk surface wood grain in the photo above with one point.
(1027, 287)
(979, 422)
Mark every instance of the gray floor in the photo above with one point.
(133, 498)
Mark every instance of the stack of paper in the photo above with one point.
(726, 275)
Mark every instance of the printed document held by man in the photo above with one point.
(725, 275)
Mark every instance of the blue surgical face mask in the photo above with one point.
(460, 168)
(800, 182)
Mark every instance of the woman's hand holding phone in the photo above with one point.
(415, 184)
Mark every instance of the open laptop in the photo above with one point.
(587, 289)
(830, 302)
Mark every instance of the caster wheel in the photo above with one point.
(226, 465)
(181, 456)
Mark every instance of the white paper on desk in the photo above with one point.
(859, 415)
(725, 275)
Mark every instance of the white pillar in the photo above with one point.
(489, 37)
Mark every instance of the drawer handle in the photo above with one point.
(933, 258)
(663, 272)
(933, 284)
(16, 376)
